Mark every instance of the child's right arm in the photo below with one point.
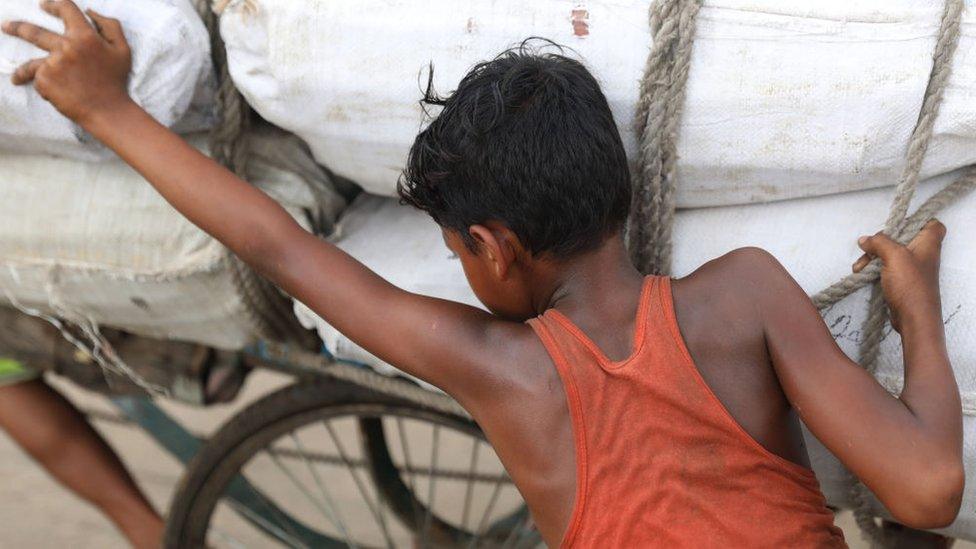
(906, 449)
(84, 76)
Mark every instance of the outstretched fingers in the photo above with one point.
(39, 36)
(69, 12)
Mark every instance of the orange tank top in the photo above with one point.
(660, 462)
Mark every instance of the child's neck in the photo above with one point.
(596, 281)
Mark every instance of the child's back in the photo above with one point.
(614, 432)
(657, 451)
(670, 424)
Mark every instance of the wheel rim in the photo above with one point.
(397, 486)
(361, 475)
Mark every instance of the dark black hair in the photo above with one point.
(526, 139)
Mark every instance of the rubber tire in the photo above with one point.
(193, 497)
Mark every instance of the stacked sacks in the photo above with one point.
(413, 258)
(785, 99)
(85, 239)
(172, 76)
(95, 243)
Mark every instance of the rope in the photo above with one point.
(844, 287)
(878, 314)
(267, 310)
(662, 92)
(658, 113)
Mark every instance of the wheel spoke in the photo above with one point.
(518, 532)
(227, 538)
(469, 489)
(377, 512)
(484, 518)
(301, 487)
(333, 510)
(291, 537)
(432, 483)
(410, 473)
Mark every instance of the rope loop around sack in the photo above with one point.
(662, 91)
(268, 311)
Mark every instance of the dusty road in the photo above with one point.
(35, 512)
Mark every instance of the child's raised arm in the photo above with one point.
(84, 77)
(907, 450)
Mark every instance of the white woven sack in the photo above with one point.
(814, 238)
(414, 259)
(96, 241)
(786, 98)
(172, 76)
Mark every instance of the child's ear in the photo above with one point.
(498, 245)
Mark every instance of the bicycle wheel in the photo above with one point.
(331, 464)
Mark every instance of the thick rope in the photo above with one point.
(662, 92)
(266, 309)
(658, 113)
(940, 200)
(872, 329)
(917, 146)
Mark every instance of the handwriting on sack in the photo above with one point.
(847, 327)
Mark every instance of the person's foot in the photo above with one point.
(902, 537)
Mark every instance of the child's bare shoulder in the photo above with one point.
(721, 297)
(735, 295)
(748, 266)
(739, 280)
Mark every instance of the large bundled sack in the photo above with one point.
(785, 98)
(94, 243)
(815, 238)
(172, 75)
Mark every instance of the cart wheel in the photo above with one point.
(330, 464)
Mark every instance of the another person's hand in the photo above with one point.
(86, 70)
(910, 274)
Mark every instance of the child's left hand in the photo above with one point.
(910, 273)
(87, 67)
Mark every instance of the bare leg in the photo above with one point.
(54, 432)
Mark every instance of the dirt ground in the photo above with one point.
(38, 513)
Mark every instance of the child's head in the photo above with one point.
(524, 164)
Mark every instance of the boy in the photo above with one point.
(629, 411)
